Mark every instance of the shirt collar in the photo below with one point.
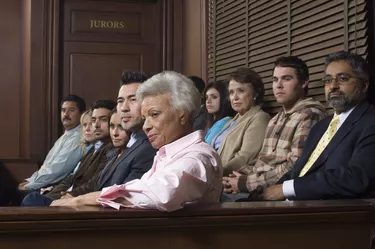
(98, 144)
(342, 116)
(75, 129)
(177, 146)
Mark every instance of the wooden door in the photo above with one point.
(103, 38)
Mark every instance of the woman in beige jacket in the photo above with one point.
(241, 139)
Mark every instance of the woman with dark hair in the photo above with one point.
(218, 108)
(241, 139)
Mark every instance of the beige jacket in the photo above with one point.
(242, 143)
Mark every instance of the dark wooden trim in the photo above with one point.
(24, 138)
(54, 70)
(346, 25)
(289, 35)
(370, 7)
(39, 93)
(214, 40)
(20, 169)
(278, 209)
(177, 35)
(167, 35)
(204, 39)
(247, 34)
(172, 35)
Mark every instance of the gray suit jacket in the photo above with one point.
(132, 164)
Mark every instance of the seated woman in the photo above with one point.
(87, 132)
(218, 108)
(185, 169)
(241, 139)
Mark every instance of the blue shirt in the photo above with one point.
(220, 137)
(215, 129)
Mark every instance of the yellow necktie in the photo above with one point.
(324, 141)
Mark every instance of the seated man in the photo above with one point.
(185, 169)
(337, 160)
(65, 153)
(201, 118)
(286, 132)
(89, 169)
(139, 155)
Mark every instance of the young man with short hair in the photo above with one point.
(286, 132)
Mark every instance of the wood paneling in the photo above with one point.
(47, 50)
(194, 44)
(93, 70)
(11, 76)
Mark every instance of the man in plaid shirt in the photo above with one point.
(286, 132)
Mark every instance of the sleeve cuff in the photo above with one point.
(242, 184)
(288, 189)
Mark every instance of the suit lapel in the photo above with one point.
(92, 159)
(86, 161)
(106, 176)
(310, 145)
(343, 131)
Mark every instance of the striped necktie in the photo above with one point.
(324, 141)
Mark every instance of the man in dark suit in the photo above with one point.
(338, 157)
(200, 120)
(139, 155)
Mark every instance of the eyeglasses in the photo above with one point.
(341, 79)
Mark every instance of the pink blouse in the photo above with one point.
(185, 171)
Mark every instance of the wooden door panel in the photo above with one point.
(93, 70)
(112, 21)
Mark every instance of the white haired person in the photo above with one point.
(185, 169)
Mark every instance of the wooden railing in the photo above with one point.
(305, 224)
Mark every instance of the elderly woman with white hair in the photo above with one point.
(185, 169)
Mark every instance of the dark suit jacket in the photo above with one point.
(8, 187)
(346, 168)
(199, 122)
(87, 175)
(132, 164)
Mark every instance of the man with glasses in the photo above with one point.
(338, 157)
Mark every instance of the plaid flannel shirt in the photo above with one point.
(285, 136)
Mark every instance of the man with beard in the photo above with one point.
(337, 161)
(65, 153)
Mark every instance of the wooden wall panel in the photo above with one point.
(11, 76)
(93, 70)
(194, 53)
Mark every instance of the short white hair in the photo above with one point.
(183, 95)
